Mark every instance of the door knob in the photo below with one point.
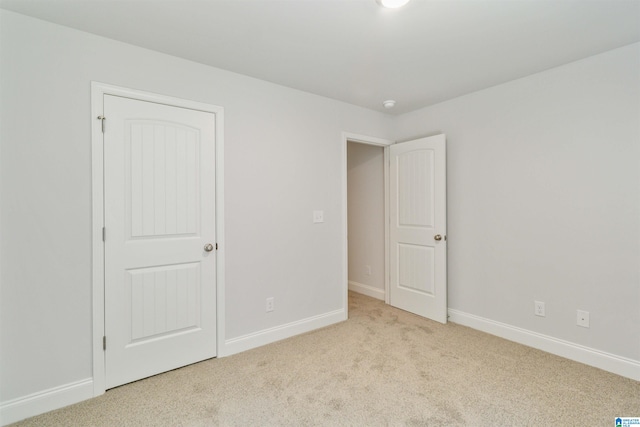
(208, 247)
(437, 237)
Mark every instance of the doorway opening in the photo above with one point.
(365, 219)
(365, 211)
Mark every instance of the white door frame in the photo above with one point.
(98, 90)
(380, 142)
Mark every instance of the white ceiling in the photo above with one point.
(356, 51)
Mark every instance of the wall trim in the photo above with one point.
(367, 290)
(277, 333)
(619, 365)
(44, 401)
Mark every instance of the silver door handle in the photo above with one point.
(437, 237)
(208, 247)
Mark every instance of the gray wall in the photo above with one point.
(544, 199)
(283, 151)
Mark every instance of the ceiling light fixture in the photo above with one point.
(392, 4)
(390, 103)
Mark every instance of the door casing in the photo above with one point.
(98, 90)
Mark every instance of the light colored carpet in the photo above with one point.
(382, 367)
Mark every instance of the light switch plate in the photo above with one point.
(318, 216)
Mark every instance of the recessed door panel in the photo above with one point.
(163, 178)
(163, 301)
(415, 269)
(415, 174)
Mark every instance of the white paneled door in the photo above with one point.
(418, 226)
(160, 279)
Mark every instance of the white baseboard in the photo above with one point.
(367, 290)
(45, 401)
(268, 336)
(623, 366)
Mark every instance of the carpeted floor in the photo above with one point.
(382, 367)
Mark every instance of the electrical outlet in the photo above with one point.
(270, 304)
(583, 318)
(539, 308)
(367, 270)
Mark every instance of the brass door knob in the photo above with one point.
(437, 237)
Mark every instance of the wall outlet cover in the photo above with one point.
(538, 307)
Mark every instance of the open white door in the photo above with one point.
(160, 271)
(418, 227)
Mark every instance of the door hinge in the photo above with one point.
(104, 234)
(102, 119)
(104, 342)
